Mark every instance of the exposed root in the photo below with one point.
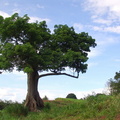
(34, 103)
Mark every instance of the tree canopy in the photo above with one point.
(71, 95)
(29, 46)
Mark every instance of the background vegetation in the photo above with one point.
(71, 95)
(114, 84)
(93, 107)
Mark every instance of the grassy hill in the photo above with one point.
(98, 107)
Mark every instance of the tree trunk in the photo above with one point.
(33, 100)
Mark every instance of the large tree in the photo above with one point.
(32, 48)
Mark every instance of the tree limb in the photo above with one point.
(49, 74)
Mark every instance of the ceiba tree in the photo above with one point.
(32, 48)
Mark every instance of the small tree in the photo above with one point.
(32, 48)
(45, 98)
(114, 84)
(71, 95)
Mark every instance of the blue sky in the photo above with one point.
(100, 18)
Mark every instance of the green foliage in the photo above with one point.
(4, 104)
(28, 70)
(31, 46)
(45, 98)
(97, 107)
(71, 95)
(96, 98)
(16, 109)
(47, 107)
(114, 84)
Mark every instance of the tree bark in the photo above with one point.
(33, 100)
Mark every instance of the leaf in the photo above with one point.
(28, 70)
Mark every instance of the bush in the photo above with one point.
(96, 98)
(114, 84)
(45, 98)
(16, 109)
(47, 106)
(2, 105)
(5, 103)
(71, 95)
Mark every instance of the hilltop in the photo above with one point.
(99, 107)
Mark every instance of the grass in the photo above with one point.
(99, 107)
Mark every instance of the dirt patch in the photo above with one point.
(101, 118)
(118, 117)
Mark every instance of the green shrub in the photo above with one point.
(94, 107)
(5, 103)
(47, 106)
(71, 95)
(2, 105)
(16, 109)
(97, 97)
(45, 98)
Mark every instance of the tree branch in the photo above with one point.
(49, 74)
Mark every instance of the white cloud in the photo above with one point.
(113, 29)
(4, 14)
(83, 94)
(96, 7)
(18, 94)
(117, 60)
(102, 7)
(34, 19)
(106, 13)
(51, 94)
(62, 94)
(15, 72)
(40, 6)
(78, 27)
(18, 72)
(14, 94)
(102, 21)
(97, 28)
(94, 53)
